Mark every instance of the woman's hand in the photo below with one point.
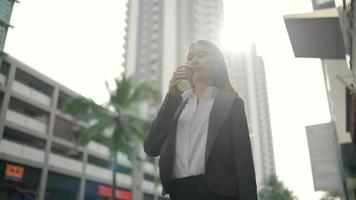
(178, 75)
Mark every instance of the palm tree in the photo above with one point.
(119, 115)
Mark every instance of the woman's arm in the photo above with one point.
(242, 153)
(160, 125)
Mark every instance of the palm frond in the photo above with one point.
(93, 132)
(81, 105)
(124, 118)
(125, 145)
(123, 89)
(140, 93)
(83, 109)
(119, 141)
(136, 125)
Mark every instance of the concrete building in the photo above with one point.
(248, 76)
(327, 34)
(38, 155)
(5, 16)
(39, 158)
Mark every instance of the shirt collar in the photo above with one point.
(187, 94)
(210, 92)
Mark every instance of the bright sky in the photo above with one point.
(296, 90)
(79, 44)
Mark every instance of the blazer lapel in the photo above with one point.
(171, 138)
(219, 111)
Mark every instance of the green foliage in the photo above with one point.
(273, 189)
(119, 114)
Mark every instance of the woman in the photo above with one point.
(201, 135)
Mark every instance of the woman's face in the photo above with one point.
(199, 59)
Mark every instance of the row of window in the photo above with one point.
(15, 136)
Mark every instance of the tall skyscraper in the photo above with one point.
(158, 33)
(5, 16)
(249, 77)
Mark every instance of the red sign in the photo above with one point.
(105, 191)
(14, 172)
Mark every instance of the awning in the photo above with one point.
(316, 34)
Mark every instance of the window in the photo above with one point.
(66, 151)
(66, 130)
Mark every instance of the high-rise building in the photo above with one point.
(5, 16)
(248, 76)
(158, 33)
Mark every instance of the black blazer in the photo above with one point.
(229, 168)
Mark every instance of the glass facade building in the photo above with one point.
(5, 16)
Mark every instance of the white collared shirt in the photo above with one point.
(192, 132)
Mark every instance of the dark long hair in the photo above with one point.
(219, 74)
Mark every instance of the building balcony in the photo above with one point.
(151, 186)
(148, 185)
(123, 179)
(25, 121)
(123, 160)
(21, 151)
(31, 93)
(2, 79)
(149, 168)
(98, 148)
(104, 150)
(106, 174)
(65, 163)
(98, 172)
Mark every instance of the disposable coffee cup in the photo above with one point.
(187, 83)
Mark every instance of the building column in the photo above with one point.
(43, 181)
(137, 172)
(81, 195)
(6, 100)
(157, 194)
